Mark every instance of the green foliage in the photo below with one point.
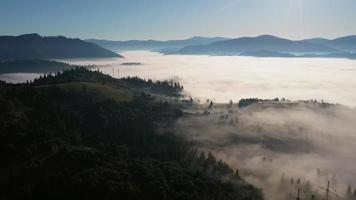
(32, 66)
(250, 101)
(80, 134)
(246, 102)
(96, 91)
(166, 87)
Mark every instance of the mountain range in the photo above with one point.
(260, 46)
(34, 46)
(269, 44)
(155, 45)
(347, 43)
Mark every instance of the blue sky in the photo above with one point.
(173, 19)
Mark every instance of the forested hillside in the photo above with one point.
(34, 46)
(32, 66)
(81, 134)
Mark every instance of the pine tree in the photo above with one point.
(237, 173)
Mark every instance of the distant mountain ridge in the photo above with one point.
(272, 46)
(317, 40)
(252, 44)
(347, 43)
(34, 46)
(155, 45)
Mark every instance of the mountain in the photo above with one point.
(155, 44)
(266, 54)
(80, 134)
(317, 40)
(288, 55)
(255, 44)
(33, 66)
(34, 46)
(346, 44)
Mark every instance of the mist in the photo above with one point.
(280, 147)
(222, 78)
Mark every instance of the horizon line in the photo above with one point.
(183, 38)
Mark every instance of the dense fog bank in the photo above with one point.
(280, 146)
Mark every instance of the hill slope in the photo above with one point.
(33, 46)
(347, 43)
(32, 66)
(84, 135)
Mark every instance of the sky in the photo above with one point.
(177, 19)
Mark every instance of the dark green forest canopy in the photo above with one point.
(32, 66)
(81, 134)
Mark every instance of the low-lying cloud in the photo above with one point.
(281, 147)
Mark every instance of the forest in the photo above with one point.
(80, 134)
(32, 66)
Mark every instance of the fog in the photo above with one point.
(222, 78)
(18, 77)
(272, 143)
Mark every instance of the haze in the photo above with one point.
(178, 99)
(171, 19)
(224, 78)
(272, 144)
